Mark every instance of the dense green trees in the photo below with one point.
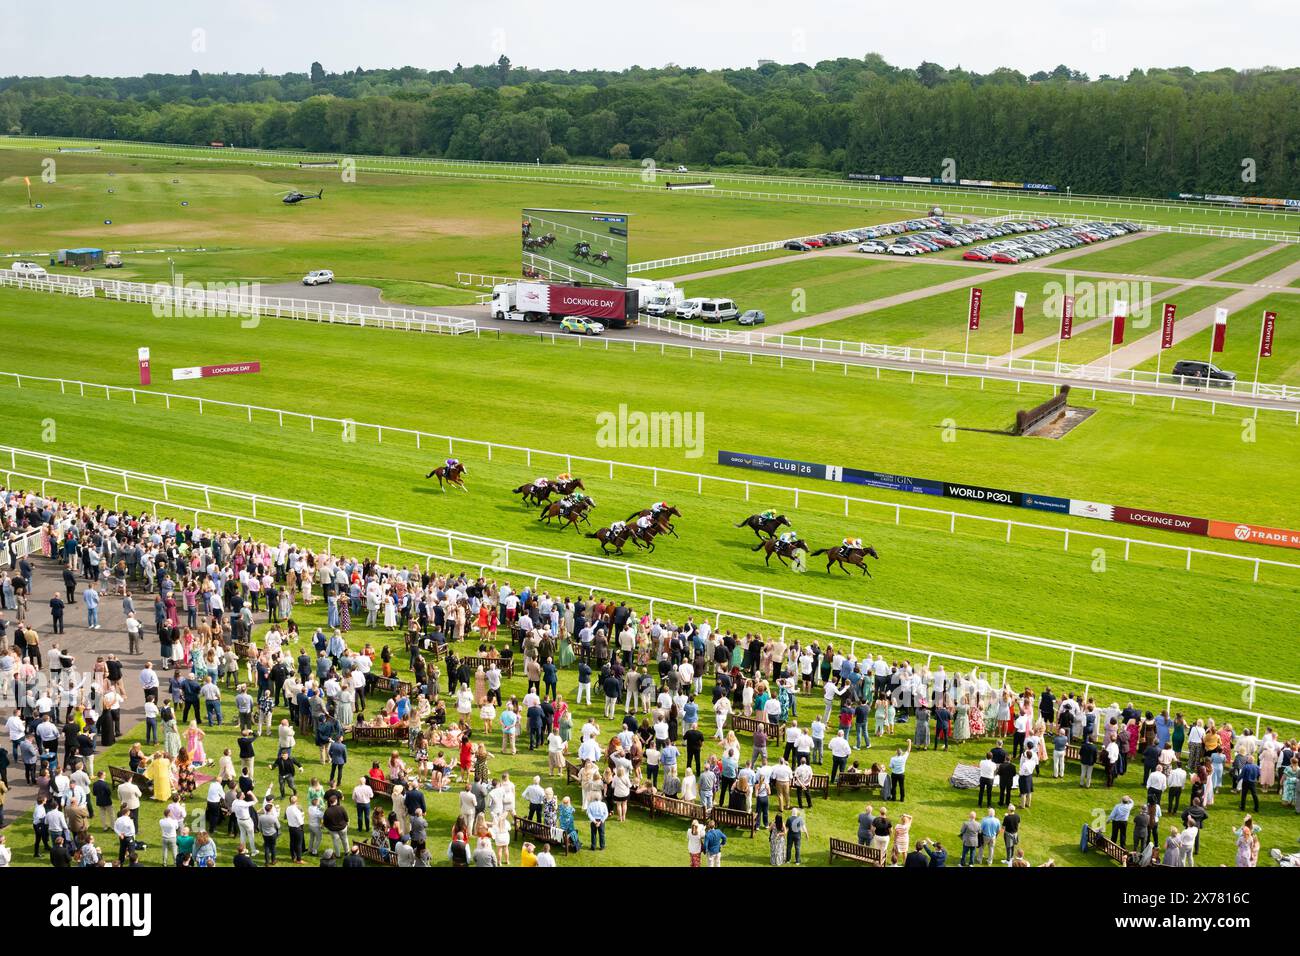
(1151, 132)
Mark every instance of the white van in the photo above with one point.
(689, 309)
(29, 270)
(663, 301)
(718, 310)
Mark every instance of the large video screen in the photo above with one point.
(573, 245)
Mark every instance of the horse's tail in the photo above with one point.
(820, 551)
(633, 516)
(593, 534)
(745, 523)
(757, 546)
(520, 490)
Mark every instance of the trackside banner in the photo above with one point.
(1164, 521)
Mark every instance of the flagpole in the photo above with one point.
(1058, 353)
(1259, 352)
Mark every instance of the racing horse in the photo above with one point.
(782, 549)
(764, 526)
(535, 494)
(452, 472)
(602, 259)
(617, 535)
(572, 512)
(660, 516)
(845, 556)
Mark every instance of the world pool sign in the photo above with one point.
(1183, 524)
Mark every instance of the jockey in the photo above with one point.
(567, 503)
(643, 523)
(617, 527)
(787, 538)
(563, 476)
(769, 514)
(452, 463)
(658, 506)
(852, 544)
(577, 496)
(540, 483)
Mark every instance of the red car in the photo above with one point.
(1003, 258)
(815, 243)
(975, 255)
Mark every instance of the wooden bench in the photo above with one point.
(746, 725)
(243, 649)
(372, 854)
(1098, 840)
(121, 775)
(847, 850)
(741, 819)
(821, 783)
(381, 787)
(541, 832)
(388, 734)
(506, 664)
(571, 771)
(851, 780)
(672, 806)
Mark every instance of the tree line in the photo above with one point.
(1152, 132)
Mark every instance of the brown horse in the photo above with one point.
(616, 534)
(764, 526)
(845, 556)
(660, 516)
(535, 494)
(570, 511)
(452, 472)
(782, 549)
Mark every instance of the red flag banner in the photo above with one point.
(973, 317)
(1167, 329)
(1117, 331)
(1018, 322)
(1266, 335)
(1067, 317)
(1220, 329)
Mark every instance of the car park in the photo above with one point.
(752, 317)
(577, 325)
(318, 277)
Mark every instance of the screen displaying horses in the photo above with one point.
(570, 245)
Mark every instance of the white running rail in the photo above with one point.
(858, 614)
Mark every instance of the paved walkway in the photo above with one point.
(85, 646)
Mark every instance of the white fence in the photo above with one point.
(183, 301)
(501, 563)
(655, 472)
(20, 546)
(481, 281)
(974, 363)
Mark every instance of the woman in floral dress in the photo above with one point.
(1289, 777)
(977, 726)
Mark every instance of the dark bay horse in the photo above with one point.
(764, 526)
(782, 549)
(616, 535)
(845, 556)
(566, 511)
(535, 494)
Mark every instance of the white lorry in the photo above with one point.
(540, 301)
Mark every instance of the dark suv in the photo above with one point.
(1189, 369)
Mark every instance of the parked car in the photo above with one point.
(752, 317)
(318, 277)
(29, 270)
(814, 243)
(976, 255)
(112, 261)
(797, 246)
(689, 309)
(874, 245)
(577, 325)
(1193, 369)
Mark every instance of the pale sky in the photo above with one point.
(130, 37)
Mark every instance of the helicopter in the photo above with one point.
(297, 197)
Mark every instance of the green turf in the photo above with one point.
(924, 571)
(1265, 266)
(1241, 346)
(1168, 254)
(391, 226)
(832, 193)
(1092, 344)
(1050, 828)
(797, 289)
